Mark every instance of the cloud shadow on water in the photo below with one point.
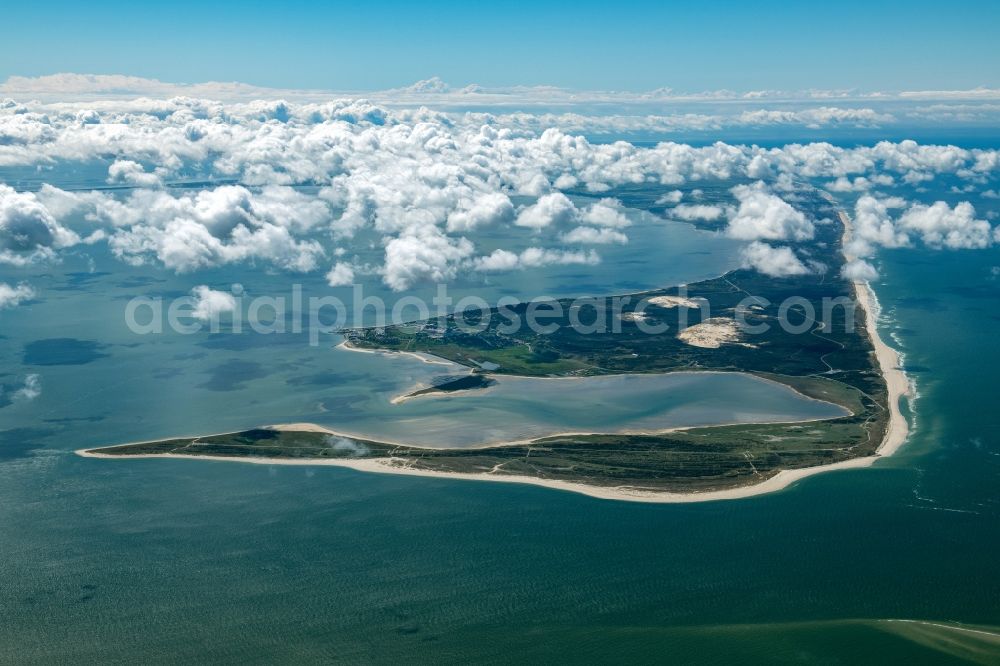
(20, 442)
(233, 375)
(62, 351)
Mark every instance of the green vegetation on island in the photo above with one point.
(823, 351)
(446, 385)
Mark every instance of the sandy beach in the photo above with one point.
(888, 358)
(426, 358)
(406, 397)
(386, 466)
(889, 364)
(777, 482)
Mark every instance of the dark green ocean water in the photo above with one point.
(195, 562)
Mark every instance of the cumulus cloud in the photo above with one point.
(487, 210)
(31, 389)
(341, 275)
(557, 209)
(66, 85)
(873, 226)
(773, 261)
(129, 172)
(859, 270)
(498, 261)
(690, 212)
(279, 142)
(843, 184)
(316, 170)
(811, 106)
(592, 236)
(554, 208)
(425, 255)
(817, 117)
(671, 197)
(534, 257)
(227, 224)
(25, 390)
(762, 215)
(12, 296)
(185, 245)
(940, 225)
(28, 231)
(606, 213)
(210, 303)
(860, 183)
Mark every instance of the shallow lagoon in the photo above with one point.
(519, 408)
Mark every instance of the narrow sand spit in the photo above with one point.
(888, 358)
(888, 361)
(388, 466)
(426, 358)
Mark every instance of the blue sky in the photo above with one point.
(690, 46)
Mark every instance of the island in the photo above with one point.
(840, 360)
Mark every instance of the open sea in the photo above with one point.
(200, 561)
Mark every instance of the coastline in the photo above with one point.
(897, 383)
(888, 359)
(426, 358)
(380, 466)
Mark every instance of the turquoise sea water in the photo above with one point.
(202, 561)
